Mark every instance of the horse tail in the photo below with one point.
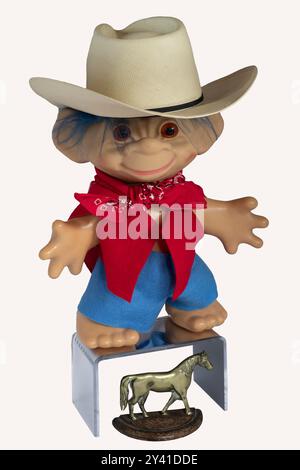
(124, 392)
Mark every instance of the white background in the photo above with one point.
(258, 154)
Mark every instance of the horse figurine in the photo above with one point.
(176, 381)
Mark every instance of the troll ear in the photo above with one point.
(64, 135)
(203, 132)
(217, 124)
(78, 135)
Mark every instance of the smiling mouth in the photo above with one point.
(151, 172)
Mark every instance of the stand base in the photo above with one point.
(86, 365)
(159, 427)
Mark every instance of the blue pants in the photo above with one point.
(153, 289)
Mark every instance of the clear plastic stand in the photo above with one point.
(86, 364)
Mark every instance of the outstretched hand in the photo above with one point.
(69, 243)
(233, 222)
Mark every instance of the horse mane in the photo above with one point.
(187, 364)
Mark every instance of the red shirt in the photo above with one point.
(124, 258)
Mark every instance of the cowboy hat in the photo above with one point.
(145, 69)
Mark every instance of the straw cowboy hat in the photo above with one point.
(145, 69)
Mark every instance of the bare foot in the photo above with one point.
(95, 335)
(198, 320)
(176, 334)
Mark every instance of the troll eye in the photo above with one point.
(121, 132)
(169, 130)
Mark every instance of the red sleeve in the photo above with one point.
(79, 211)
(94, 253)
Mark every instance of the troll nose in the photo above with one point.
(147, 145)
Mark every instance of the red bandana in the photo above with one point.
(124, 258)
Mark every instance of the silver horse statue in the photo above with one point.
(176, 381)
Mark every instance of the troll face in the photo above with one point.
(137, 149)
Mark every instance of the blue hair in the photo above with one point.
(78, 122)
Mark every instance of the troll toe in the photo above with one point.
(96, 335)
(199, 323)
(117, 339)
(199, 320)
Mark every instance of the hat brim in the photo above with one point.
(217, 95)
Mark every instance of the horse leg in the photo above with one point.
(133, 400)
(172, 398)
(142, 403)
(131, 406)
(186, 404)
